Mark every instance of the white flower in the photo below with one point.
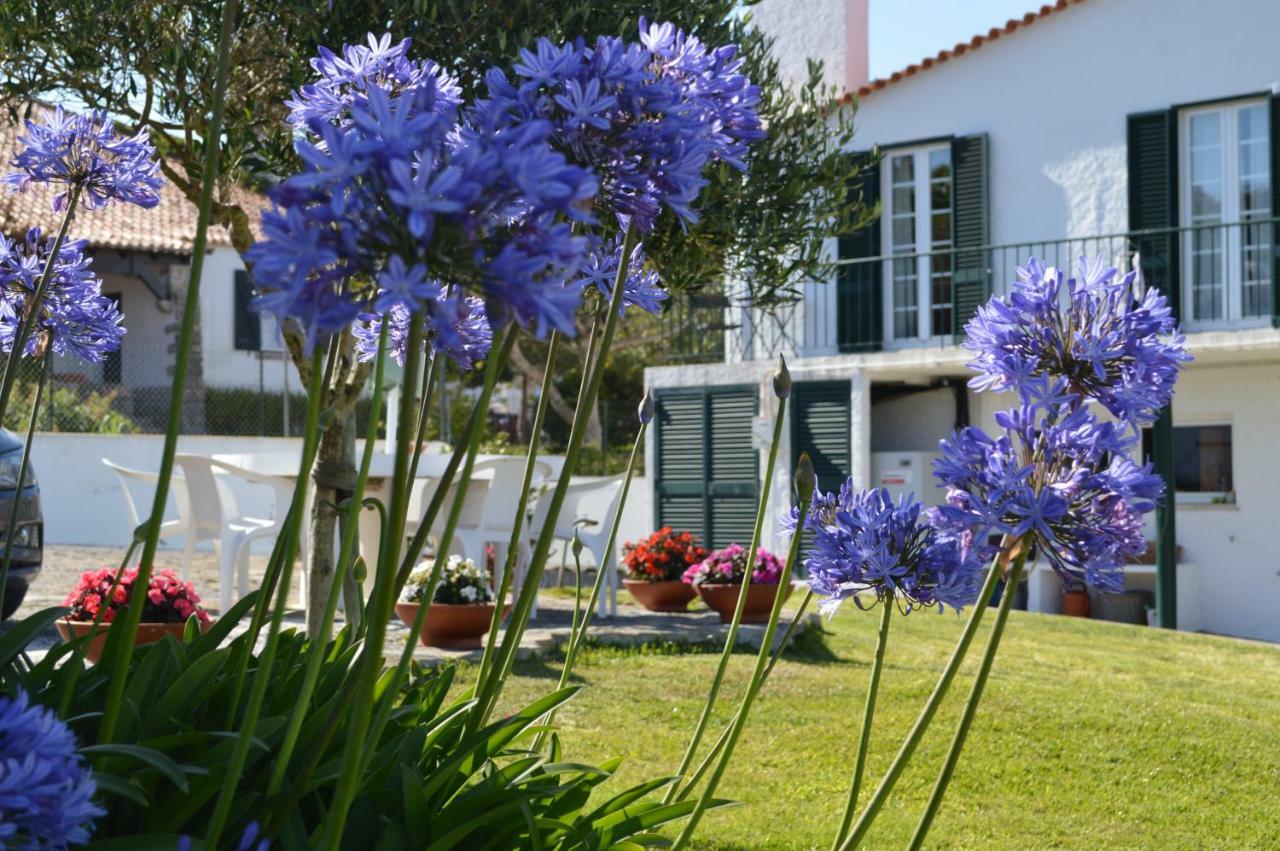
(469, 594)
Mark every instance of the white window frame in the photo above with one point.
(1214, 498)
(1230, 214)
(923, 253)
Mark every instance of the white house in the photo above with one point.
(1087, 127)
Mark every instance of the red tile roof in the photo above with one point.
(1011, 26)
(167, 228)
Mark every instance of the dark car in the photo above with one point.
(24, 564)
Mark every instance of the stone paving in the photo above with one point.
(632, 626)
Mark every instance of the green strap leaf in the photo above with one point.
(153, 758)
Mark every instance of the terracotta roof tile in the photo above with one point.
(167, 228)
(1012, 25)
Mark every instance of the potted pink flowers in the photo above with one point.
(170, 603)
(718, 578)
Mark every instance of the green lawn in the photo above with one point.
(1091, 735)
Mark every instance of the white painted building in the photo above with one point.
(1098, 127)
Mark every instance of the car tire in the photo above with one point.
(13, 596)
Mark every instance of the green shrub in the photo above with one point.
(68, 409)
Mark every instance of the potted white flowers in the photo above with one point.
(461, 607)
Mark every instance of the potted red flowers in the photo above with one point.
(170, 603)
(654, 567)
(718, 578)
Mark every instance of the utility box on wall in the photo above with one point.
(906, 473)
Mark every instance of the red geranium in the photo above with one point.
(664, 555)
(168, 598)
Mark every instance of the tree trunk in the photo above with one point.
(333, 476)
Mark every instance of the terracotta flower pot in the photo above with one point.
(668, 596)
(1075, 604)
(452, 626)
(724, 599)
(148, 633)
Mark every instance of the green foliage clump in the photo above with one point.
(68, 409)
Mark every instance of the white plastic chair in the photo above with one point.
(497, 523)
(183, 525)
(467, 540)
(589, 507)
(213, 507)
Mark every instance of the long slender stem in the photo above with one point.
(31, 311)
(868, 715)
(757, 675)
(882, 792)
(491, 688)
(319, 646)
(731, 638)
(288, 549)
(971, 706)
(710, 758)
(190, 312)
(517, 523)
(15, 511)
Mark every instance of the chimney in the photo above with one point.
(833, 31)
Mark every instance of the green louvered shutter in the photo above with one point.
(681, 469)
(821, 425)
(1153, 198)
(733, 480)
(971, 281)
(1275, 210)
(859, 316)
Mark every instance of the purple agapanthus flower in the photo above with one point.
(249, 840)
(458, 328)
(46, 788)
(1104, 338)
(864, 542)
(647, 118)
(402, 187)
(84, 150)
(642, 287)
(75, 318)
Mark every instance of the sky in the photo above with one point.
(906, 31)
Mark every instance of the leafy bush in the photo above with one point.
(68, 409)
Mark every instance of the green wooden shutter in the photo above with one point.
(1275, 210)
(248, 325)
(681, 469)
(734, 469)
(1153, 198)
(821, 425)
(859, 294)
(971, 280)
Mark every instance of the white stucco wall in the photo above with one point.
(224, 365)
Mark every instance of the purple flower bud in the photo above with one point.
(646, 408)
(782, 380)
(805, 480)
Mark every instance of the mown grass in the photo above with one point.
(1091, 735)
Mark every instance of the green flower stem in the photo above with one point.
(868, 715)
(368, 668)
(578, 635)
(46, 362)
(287, 546)
(757, 675)
(491, 688)
(319, 646)
(31, 313)
(971, 706)
(710, 758)
(517, 525)
(731, 639)
(917, 731)
(190, 312)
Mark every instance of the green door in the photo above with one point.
(708, 469)
(821, 426)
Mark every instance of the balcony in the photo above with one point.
(1221, 276)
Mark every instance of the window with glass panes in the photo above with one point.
(1228, 244)
(918, 209)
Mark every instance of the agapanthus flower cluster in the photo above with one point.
(1058, 478)
(401, 190)
(663, 556)
(1104, 339)
(647, 118)
(83, 150)
(46, 788)
(866, 545)
(74, 316)
(168, 598)
(641, 288)
(464, 338)
(249, 840)
(461, 583)
(729, 566)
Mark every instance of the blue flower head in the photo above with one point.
(458, 328)
(642, 287)
(865, 543)
(46, 789)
